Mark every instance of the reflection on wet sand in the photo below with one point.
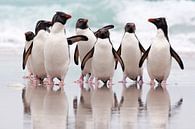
(49, 109)
(129, 106)
(158, 107)
(102, 101)
(97, 108)
(83, 111)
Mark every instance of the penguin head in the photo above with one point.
(82, 23)
(130, 28)
(29, 35)
(42, 25)
(104, 32)
(160, 23)
(60, 17)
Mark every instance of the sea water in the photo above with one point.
(19, 16)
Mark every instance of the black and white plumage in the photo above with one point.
(83, 47)
(27, 51)
(131, 51)
(37, 54)
(104, 57)
(159, 54)
(56, 51)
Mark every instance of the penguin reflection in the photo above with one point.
(129, 106)
(48, 108)
(55, 110)
(102, 101)
(83, 110)
(158, 106)
(33, 98)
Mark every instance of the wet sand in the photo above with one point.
(119, 107)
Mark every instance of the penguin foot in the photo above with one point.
(110, 83)
(34, 82)
(152, 83)
(61, 84)
(140, 82)
(164, 84)
(97, 83)
(80, 80)
(81, 85)
(90, 80)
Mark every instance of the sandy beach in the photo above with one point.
(120, 107)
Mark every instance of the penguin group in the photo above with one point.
(47, 55)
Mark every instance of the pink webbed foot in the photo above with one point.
(61, 84)
(140, 82)
(164, 84)
(152, 83)
(34, 81)
(81, 79)
(50, 81)
(96, 83)
(110, 83)
(90, 80)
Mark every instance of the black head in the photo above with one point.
(130, 27)
(42, 25)
(60, 17)
(82, 23)
(160, 23)
(29, 35)
(103, 33)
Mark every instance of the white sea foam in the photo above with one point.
(16, 20)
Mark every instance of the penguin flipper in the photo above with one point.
(140, 45)
(119, 53)
(118, 58)
(105, 27)
(26, 55)
(108, 27)
(144, 56)
(119, 50)
(177, 58)
(85, 59)
(76, 55)
(76, 38)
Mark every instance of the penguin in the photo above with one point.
(104, 57)
(131, 51)
(82, 28)
(27, 51)
(37, 54)
(56, 51)
(159, 54)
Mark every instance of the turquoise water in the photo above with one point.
(19, 16)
